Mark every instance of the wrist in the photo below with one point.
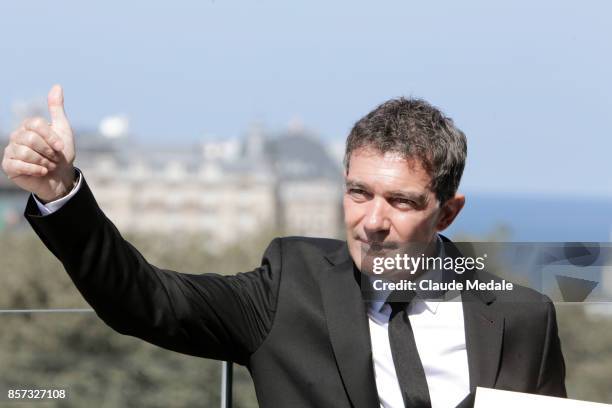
(62, 188)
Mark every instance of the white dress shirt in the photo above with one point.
(438, 332)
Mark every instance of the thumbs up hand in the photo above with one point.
(39, 157)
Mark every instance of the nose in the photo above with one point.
(376, 219)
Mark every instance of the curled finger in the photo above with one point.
(15, 168)
(42, 127)
(29, 155)
(35, 142)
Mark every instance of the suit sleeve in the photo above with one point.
(551, 379)
(208, 315)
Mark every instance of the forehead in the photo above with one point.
(389, 170)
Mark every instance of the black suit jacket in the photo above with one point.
(298, 321)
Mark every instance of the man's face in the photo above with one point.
(387, 203)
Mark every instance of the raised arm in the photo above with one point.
(208, 315)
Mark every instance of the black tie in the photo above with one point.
(408, 366)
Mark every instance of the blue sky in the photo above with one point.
(529, 82)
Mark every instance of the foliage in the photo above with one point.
(77, 352)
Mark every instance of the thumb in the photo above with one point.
(55, 101)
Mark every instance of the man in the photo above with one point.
(299, 322)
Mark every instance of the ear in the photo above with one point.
(449, 211)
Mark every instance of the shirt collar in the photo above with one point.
(381, 310)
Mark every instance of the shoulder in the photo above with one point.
(305, 254)
(520, 301)
(306, 246)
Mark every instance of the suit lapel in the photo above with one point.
(484, 325)
(347, 323)
(484, 330)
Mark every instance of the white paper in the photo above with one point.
(487, 398)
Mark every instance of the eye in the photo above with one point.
(357, 193)
(401, 202)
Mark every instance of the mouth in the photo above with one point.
(376, 246)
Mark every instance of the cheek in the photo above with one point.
(414, 227)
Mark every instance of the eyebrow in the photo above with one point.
(420, 199)
(356, 184)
